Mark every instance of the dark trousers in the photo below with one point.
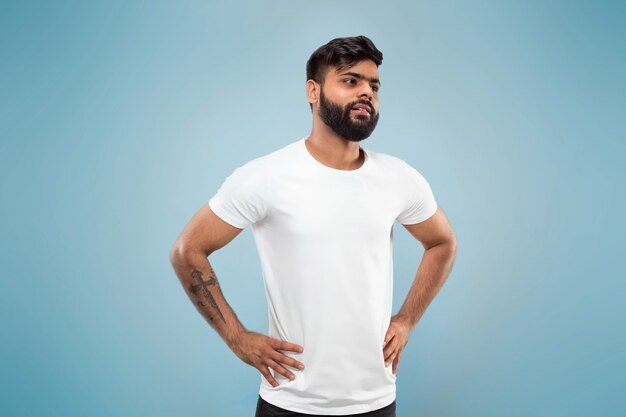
(265, 409)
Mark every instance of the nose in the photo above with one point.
(367, 91)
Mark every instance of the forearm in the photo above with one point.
(201, 285)
(431, 275)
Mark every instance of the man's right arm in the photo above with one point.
(201, 285)
(204, 234)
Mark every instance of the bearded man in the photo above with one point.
(322, 211)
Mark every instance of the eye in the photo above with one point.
(350, 81)
(375, 88)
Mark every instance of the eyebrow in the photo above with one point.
(361, 77)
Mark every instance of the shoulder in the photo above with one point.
(257, 172)
(391, 163)
(273, 162)
(400, 172)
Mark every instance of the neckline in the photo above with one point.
(331, 169)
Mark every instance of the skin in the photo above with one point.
(439, 242)
(342, 88)
(206, 233)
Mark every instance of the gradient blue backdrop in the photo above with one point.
(120, 119)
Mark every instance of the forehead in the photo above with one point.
(366, 68)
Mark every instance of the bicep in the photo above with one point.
(205, 233)
(433, 231)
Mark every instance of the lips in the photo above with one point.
(362, 109)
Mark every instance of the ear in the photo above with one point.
(312, 91)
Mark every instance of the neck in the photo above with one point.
(334, 151)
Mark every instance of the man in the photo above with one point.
(322, 210)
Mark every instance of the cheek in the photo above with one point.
(344, 98)
(341, 95)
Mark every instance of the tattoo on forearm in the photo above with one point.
(201, 304)
(202, 285)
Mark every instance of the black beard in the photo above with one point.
(339, 120)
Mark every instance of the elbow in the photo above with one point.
(445, 242)
(178, 253)
(448, 245)
(452, 241)
(175, 254)
(452, 246)
(181, 253)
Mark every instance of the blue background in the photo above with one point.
(119, 120)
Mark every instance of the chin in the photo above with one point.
(357, 140)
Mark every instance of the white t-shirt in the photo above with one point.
(324, 238)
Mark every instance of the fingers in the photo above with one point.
(277, 368)
(267, 375)
(388, 336)
(280, 369)
(396, 362)
(391, 357)
(279, 357)
(390, 348)
(274, 360)
(391, 353)
(291, 347)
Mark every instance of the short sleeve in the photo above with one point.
(241, 200)
(418, 200)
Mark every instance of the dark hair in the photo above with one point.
(341, 53)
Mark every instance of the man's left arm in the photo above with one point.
(439, 243)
